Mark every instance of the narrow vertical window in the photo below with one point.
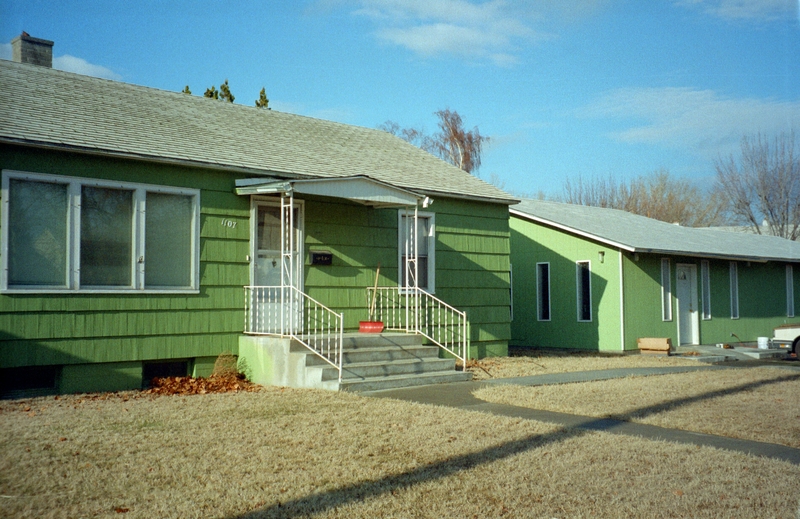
(666, 290)
(789, 291)
(734, 274)
(425, 241)
(543, 291)
(584, 280)
(705, 282)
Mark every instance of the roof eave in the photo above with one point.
(98, 152)
(579, 232)
(434, 193)
(640, 250)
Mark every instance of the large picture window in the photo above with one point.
(66, 233)
(426, 249)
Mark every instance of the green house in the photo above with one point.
(599, 279)
(146, 232)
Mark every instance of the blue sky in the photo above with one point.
(562, 87)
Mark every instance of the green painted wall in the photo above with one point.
(73, 329)
(762, 294)
(115, 333)
(471, 261)
(532, 244)
(642, 300)
(762, 300)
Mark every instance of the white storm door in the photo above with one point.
(276, 308)
(686, 294)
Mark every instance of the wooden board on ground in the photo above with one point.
(654, 345)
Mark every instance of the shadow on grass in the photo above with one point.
(678, 402)
(332, 499)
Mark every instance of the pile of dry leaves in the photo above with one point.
(225, 378)
(199, 386)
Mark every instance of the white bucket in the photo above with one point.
(763, 343)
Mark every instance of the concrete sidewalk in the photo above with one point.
(459, 395)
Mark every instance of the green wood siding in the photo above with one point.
(471, 261)
(80, 328)
(762, 300)
(762, 294)
(531, 244)
(642, 287)
(116, 332)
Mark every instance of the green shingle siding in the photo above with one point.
(74, 328)
(118, 331)
(470, 271)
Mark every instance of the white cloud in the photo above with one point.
(702, 120)
(764, 10)
(69, 63)
(488, 31)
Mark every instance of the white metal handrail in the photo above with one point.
(289, 312)
(416, 311)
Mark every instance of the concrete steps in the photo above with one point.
(373, 362)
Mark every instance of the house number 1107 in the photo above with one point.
(228, 223)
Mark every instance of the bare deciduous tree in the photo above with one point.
(763, 185)
(453, 143)
(657, 195)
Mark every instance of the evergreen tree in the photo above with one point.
(262, 101)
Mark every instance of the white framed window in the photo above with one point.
(426, 248)
(583, 271)
(733, 269)
(789, 291)
(705, 287)
(543, 291)
(666, 289)
(66, 233)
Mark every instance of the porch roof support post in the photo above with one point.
(416, 268)
(411, 269)
(287, 260)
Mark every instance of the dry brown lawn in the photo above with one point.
(303, 453)
(754, 403)
(528, 361)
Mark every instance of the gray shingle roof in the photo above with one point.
(640, 234)
(42, 106)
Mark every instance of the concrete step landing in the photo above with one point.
(370, 362)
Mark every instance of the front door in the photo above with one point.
(273, 268)
(686, 294)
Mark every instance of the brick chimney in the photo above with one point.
(27, 49)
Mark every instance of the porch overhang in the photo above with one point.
(360, 189)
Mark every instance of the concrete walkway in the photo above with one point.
(459, 395)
